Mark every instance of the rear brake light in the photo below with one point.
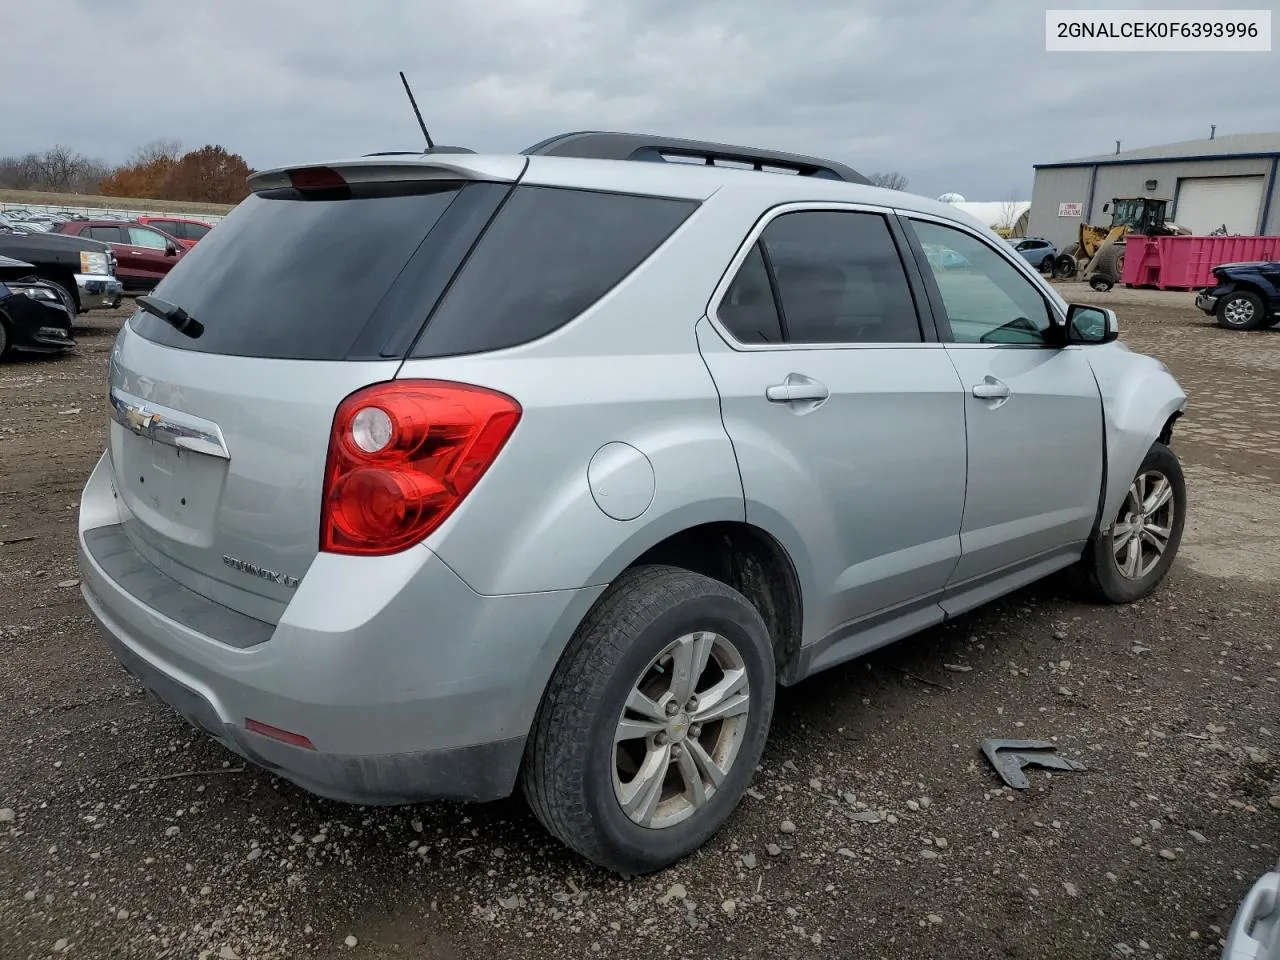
(402, 456)
(316, 178)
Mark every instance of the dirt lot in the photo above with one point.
(1171, 703)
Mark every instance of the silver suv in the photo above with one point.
(433, 474)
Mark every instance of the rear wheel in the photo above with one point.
(1133, 556)
(1241, 310)
(652, 726)
(1046, 265)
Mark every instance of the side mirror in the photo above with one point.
(170, 249)
(1106, 208)
(1087, 325)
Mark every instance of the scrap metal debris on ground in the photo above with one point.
(1010, 756)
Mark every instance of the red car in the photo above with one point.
(143, 254)
(183, 229)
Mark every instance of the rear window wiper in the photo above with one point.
(173, 315)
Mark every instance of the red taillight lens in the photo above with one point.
(317, 178)
(402, 456)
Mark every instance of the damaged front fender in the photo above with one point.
(1140, 400)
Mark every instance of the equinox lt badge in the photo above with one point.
(262, 572)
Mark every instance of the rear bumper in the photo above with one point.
(409, 685)
(98, 292)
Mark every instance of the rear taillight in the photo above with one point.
(402, 456)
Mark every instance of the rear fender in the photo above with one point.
(1140, 398)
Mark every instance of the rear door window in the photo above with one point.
(105, 234)
(194, 231)
(840, 278)
(549, 255)
(291, 278)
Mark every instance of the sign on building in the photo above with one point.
(1069, 209)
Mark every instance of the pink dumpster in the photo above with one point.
(1183, 263)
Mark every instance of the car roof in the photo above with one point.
(147, 218)
(675, 180)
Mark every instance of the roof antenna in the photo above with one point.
(1213, 129)
(1117, 146)
(418, 113)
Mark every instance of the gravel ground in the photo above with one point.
(874, 827)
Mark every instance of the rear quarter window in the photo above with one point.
(549, 254)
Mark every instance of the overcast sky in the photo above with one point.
(957, 95)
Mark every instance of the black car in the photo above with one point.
(1246, 295)
(32, 317)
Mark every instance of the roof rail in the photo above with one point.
(600, 145)
(419, 153)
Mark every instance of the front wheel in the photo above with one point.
(1241, 310)
(651, 728)
(1130, 558)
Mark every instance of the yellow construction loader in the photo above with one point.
(1097, 257)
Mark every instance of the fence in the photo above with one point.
(104, 212)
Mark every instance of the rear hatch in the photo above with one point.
(312, 288)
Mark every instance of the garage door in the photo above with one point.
(1206, 203)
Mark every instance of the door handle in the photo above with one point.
(991, 389)
(796, 387)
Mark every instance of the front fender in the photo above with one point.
(1139, 396)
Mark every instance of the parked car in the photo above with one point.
(1245, 296)
(1037, 251)
(944, 258)
(144, 254)
(32, 317)
(1255, 931)
(80, 269)
(549, 474)
(186, 231)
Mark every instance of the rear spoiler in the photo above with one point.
(394, 168)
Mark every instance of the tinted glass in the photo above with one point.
(105, 234)
(548, 255)
(172, 227)
(748, 311)
(986, 298)
(840, 279)
(142, 237)
(194, 231)
(291, 278)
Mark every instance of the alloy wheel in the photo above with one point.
(1238, 312)
(681, 730)
(1141, 533)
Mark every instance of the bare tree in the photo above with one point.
(160, 150)
(893, 180)
(1010, 211)
(57, 170)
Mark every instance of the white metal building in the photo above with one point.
(1228, 180)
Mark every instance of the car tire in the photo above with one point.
(1112, 571)
(1241, 310)
(580, 768)
(1046, 265)
(4, 338)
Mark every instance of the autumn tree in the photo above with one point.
(208, 175)
(161, 171)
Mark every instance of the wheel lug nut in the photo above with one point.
(695, 731)
(676, 751)
(672, 708)
(692, 704)
(660, 738)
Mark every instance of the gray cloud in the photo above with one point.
(958, 96)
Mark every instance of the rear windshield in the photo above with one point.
(294, 279)
(357, 278)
